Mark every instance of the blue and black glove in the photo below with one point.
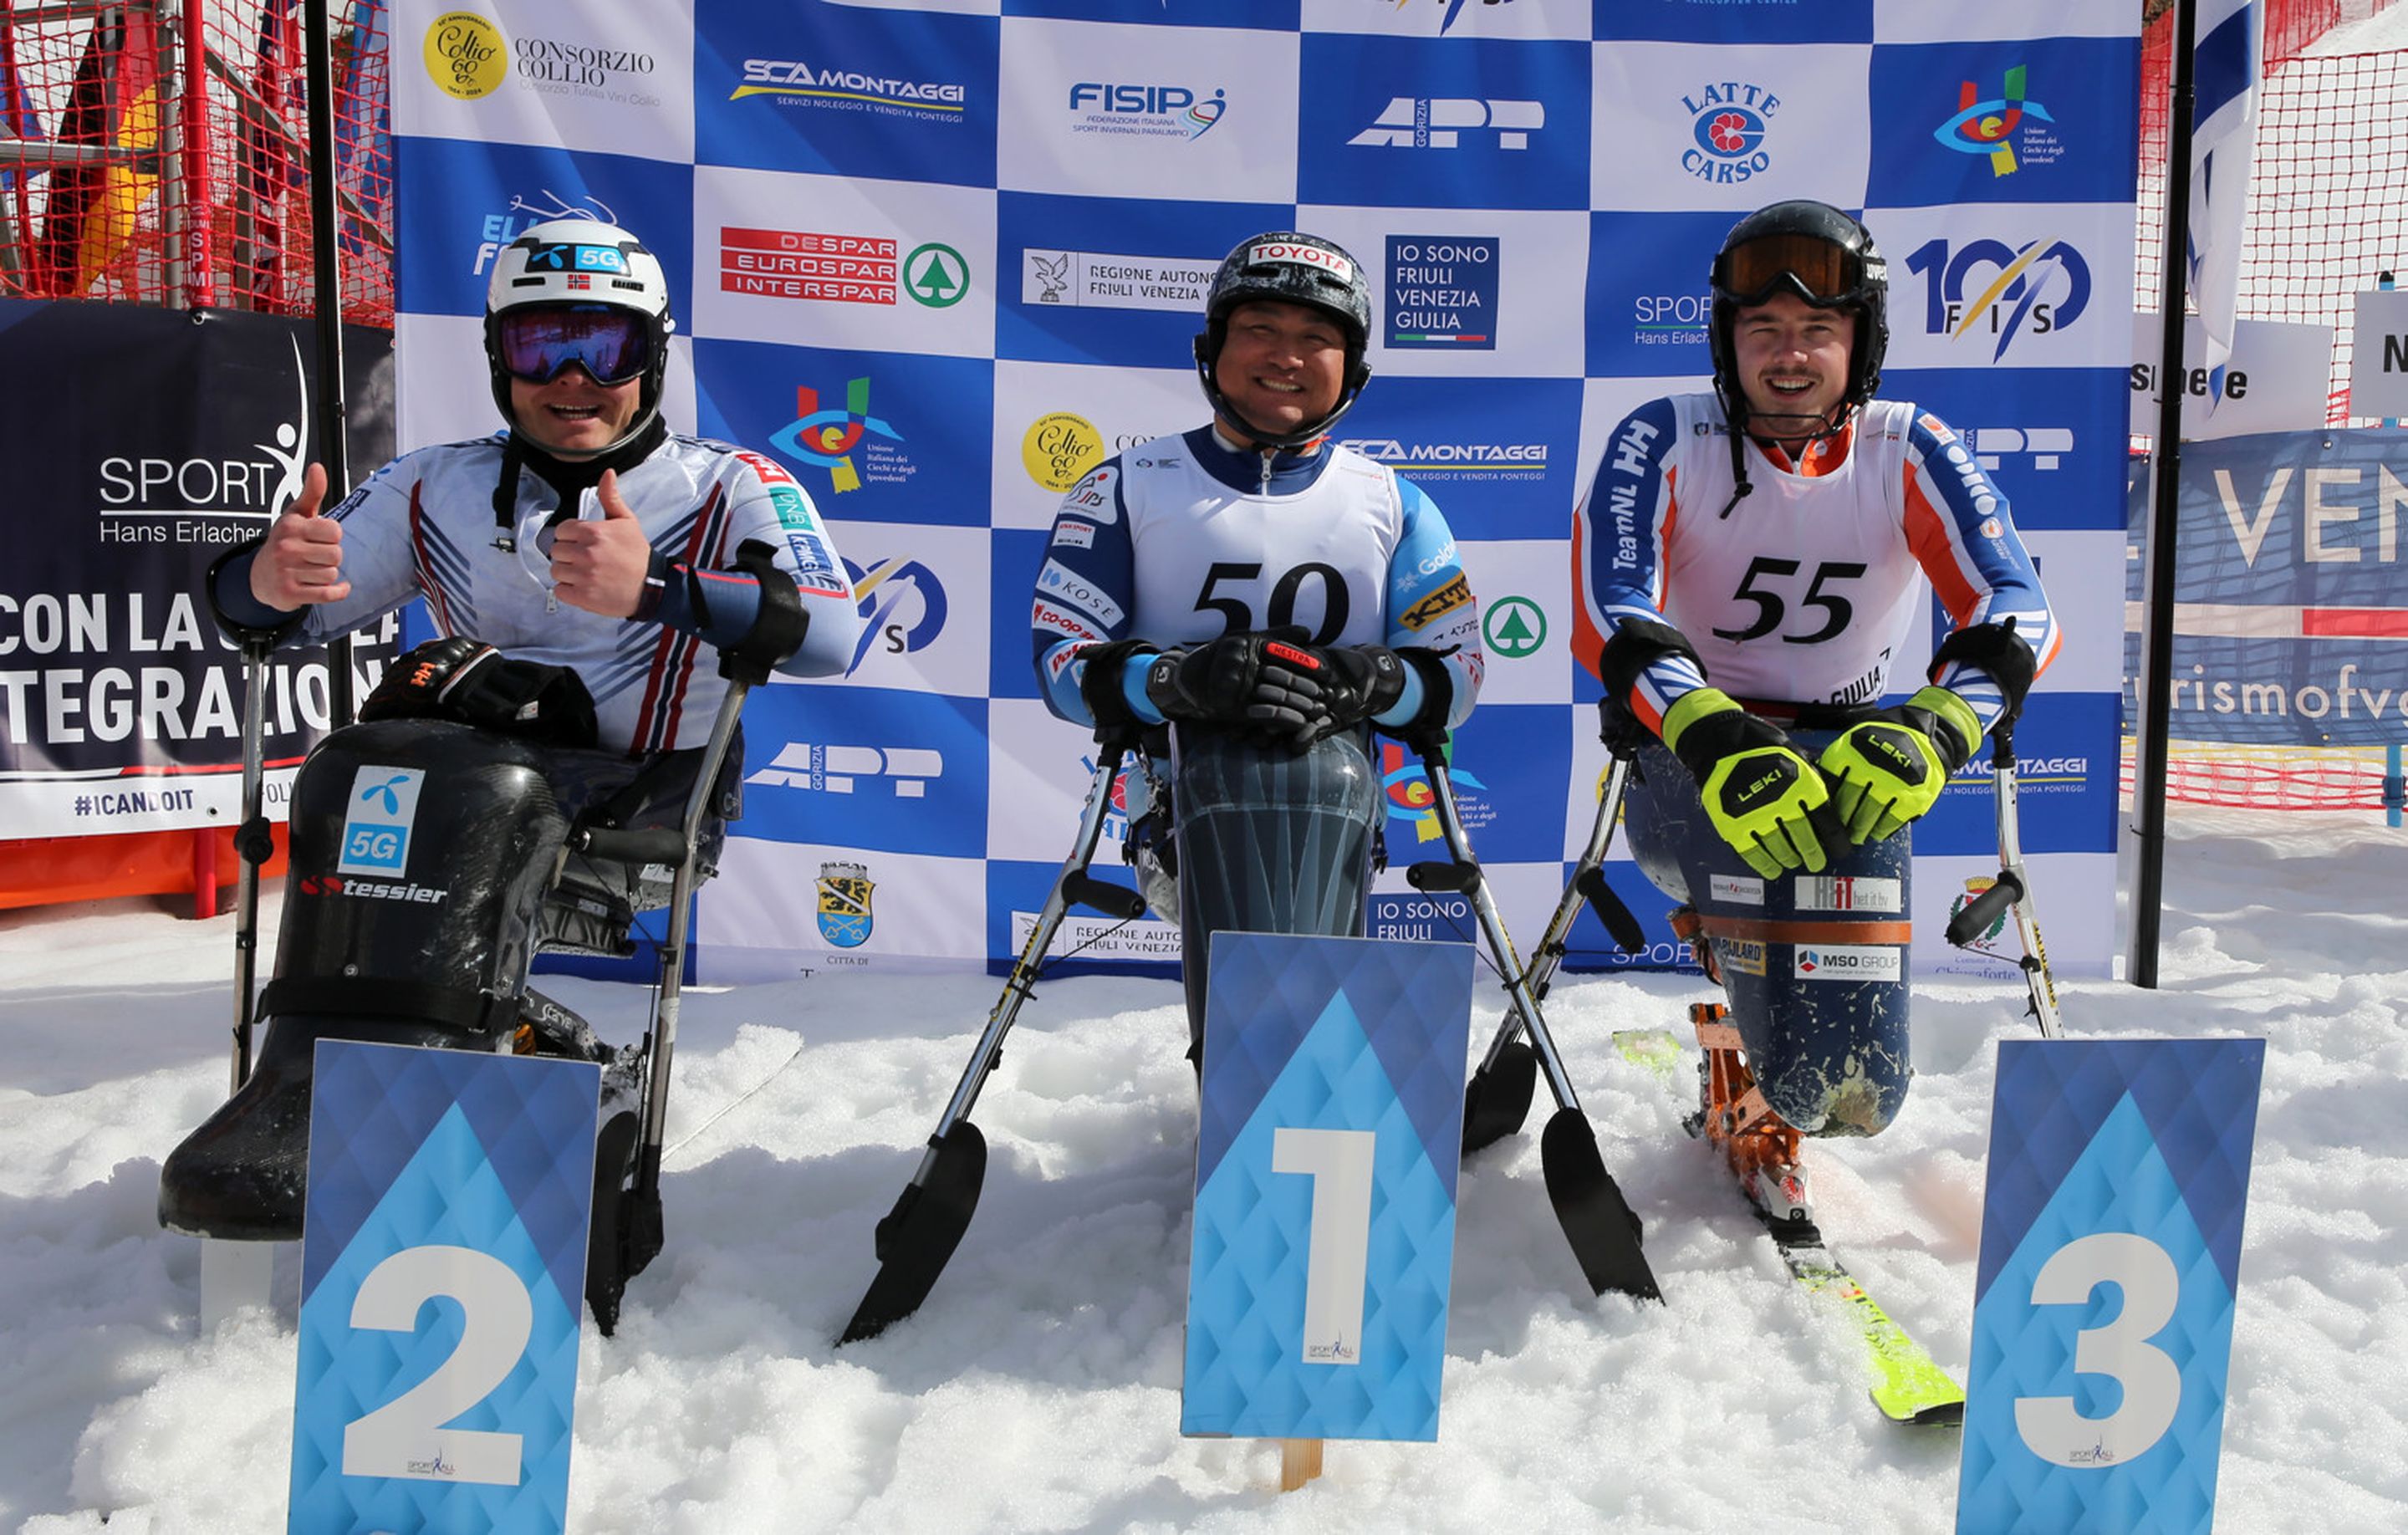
(1760, 792)
(1262, 684)
(1886, 770)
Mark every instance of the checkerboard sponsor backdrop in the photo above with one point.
(938, 259)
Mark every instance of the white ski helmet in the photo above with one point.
(583, 263)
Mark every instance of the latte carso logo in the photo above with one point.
(1453, 123)
(1729, 119)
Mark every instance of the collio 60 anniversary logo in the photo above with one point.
(465, 56)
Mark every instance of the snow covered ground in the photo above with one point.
(1038, 1388)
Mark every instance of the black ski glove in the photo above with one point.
(1100, 669)
(457, 678)
(1263, 683)
(1345, 685)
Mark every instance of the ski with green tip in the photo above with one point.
(1907, 1384)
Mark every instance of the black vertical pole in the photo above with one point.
(2158, 647)
(325, 251)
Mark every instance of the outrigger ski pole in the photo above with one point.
(254, 843)
(917, 1237)
(2013, 889)
(1598, 1221)
(1497, 1097)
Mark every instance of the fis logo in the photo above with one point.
(1986, 126)
(2008, 292)
(840, 769)
(375, 830)
(1441, 122)
(902, 608)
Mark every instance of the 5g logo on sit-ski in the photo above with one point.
(383, 805)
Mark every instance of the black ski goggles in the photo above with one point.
(1813, 268)
(612, 345)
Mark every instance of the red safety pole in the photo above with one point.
(200, 197)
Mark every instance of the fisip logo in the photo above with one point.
(836, 268)
(151, 500)
(1442, 122)
(1729, 122)
(2040, 286)
(1988, 126)
(1150, 111)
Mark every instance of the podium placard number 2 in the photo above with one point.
(2104, 1295)
(442, 1286)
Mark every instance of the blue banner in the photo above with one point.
(1325, 1165)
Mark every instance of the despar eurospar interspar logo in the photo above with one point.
(854, 445)
(1146, 109)
(1990, 290)
(834, 266)
(1997, 126)
(1729, 125)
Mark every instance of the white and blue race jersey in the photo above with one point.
(1183, 539)
(1803, 590)
(424, 526)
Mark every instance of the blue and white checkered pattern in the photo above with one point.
(939, 258)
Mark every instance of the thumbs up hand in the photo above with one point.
(302, 561)
(600, 565)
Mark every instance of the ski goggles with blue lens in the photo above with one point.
(612, 345)
(1808, 265)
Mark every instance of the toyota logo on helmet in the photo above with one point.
(1282, 266)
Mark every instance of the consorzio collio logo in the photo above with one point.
(465, 56)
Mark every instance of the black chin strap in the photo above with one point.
(1830, 424)
(570, 477)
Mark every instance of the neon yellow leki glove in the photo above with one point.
(1886, 770)
(1759, 792)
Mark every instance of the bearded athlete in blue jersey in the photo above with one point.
(1253, 598)
(1748, 563)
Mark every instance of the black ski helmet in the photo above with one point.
(1285, 266)
(1816, 253)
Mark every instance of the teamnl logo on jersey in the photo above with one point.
(1990, 289)
(792, 82)
(820, 267)
(829, 438)
(1150, 111)
(1988, 125)
(376, 827)
(902, 607)
(1452, 122)
(1442, 291)
(1729, 122)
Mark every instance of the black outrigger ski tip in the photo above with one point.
(918, 1236)
(1497, 1099)
(1604, 1229)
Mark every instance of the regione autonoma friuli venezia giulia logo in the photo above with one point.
(822, 266)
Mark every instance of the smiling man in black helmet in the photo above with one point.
(1748, 562)
(1254, 599)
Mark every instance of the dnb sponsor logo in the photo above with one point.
(1442, 291)
(902, 608)
(908, 770)
(1452, 122)
(497, 230)
(792, 82)
(828, 438)
(2007, 291)
(822, 267)
(1729, 122)
(1102, 280)
(1144, 111)
(1988, 126)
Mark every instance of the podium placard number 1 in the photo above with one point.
(442, 1285)
(2105, 1290)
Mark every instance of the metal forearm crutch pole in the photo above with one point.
(253, 844)
(2013, 890)
(1551, 941)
